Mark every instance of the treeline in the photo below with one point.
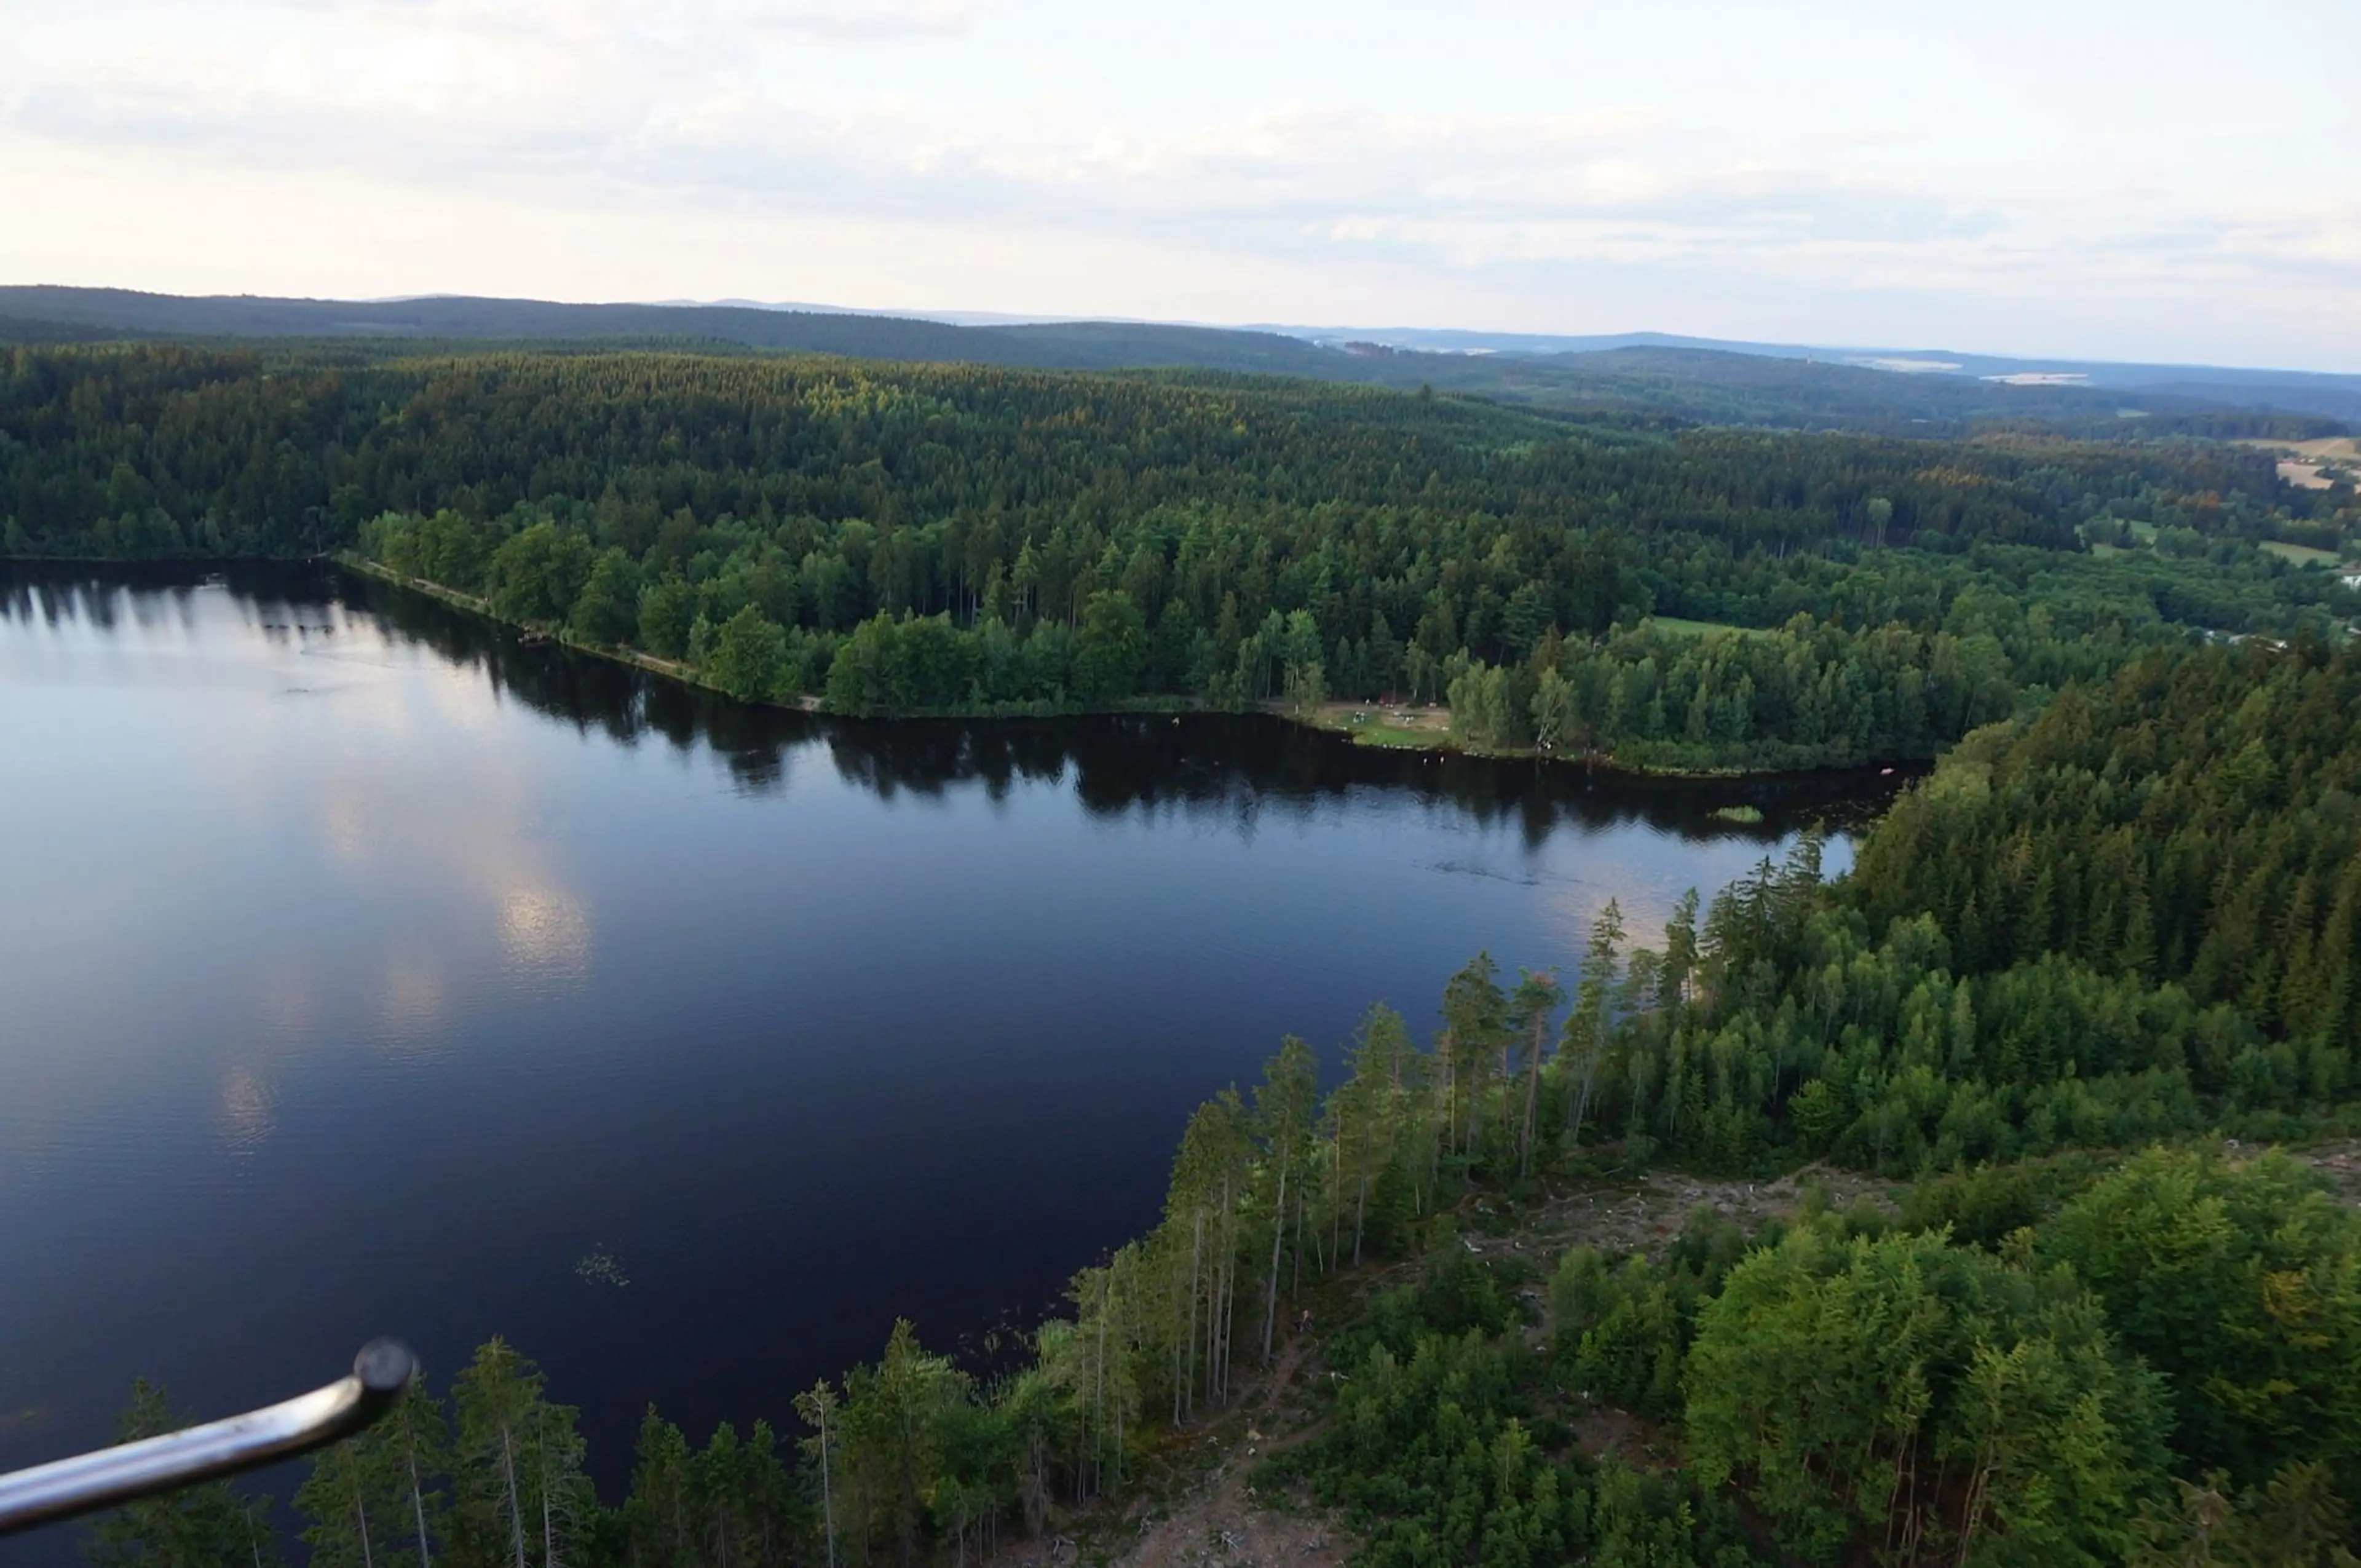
(2150, 1365)
(1805, 696)
(977, 540)
(2128, 918)
(891, 1459)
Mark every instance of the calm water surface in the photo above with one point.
(362, 971)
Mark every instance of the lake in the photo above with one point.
(364, 972)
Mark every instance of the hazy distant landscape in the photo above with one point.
(1644, 375)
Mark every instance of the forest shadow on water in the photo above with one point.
(1249, 763)
(373, 971)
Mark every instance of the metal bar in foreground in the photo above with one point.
(47, 1493)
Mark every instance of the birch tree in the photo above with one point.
(1586, 1026)
(1285, 1101)
(1473, 1013)
(1366, 1116)
(1208, 1181)
(818, 1407)
(1529, 1019)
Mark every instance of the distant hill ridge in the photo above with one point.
(1648, 376)
(1060, 345)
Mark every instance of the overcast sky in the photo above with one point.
(2159, 179)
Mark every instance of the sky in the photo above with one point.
(2153, 180)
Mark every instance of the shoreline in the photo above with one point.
(1424, 733)
(534, 636)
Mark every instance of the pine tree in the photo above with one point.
(206, 1526)
(522, 1498)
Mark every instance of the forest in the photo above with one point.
(1671, 383)
(929, 539)
(2074, 976)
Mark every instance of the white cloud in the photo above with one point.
(2132, 181)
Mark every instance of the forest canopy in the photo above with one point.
(901, 539)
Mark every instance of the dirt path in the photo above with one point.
(1219, 1520)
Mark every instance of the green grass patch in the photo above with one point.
(1373, 725)
(1745, 816)
(1399, 739)
(1680, 627)
(2301, 555)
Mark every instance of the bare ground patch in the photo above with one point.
(2341, 1163)
(1197, 1506)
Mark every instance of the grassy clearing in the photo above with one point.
(1401, 728)
(2328, 449)
(2301, 555)
(1680, 627)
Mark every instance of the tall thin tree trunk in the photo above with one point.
(1295, 1264)
(827, 1492)
(1335, 1197)
(1278, 1238)
(1360, 1217)
(1533, 1096)
(548, 1524)
(516, 1503)
(1213, 1314)
(1099, 1379)
(1449, 1096)
(1229, 1306)
(1196, 1259)
(1582, 1099)
(418, 1500)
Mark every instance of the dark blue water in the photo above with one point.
(362, 971)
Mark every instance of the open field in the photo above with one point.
(2301, 555)
(2313, 464)
(2327, 449)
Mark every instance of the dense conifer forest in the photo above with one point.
(930, 539)
(2104, 950)
(2092, 940)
